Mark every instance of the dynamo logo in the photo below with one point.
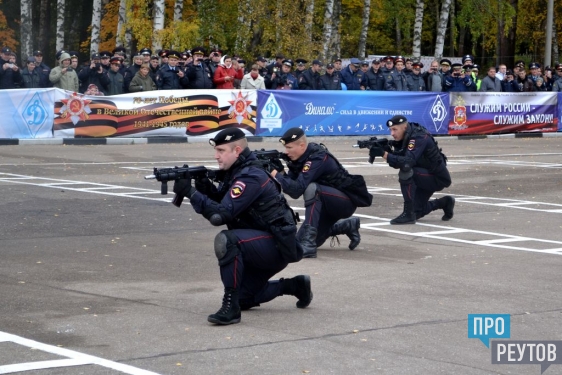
(271, 115)
(34, 114)
(438, 113)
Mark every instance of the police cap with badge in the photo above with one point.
(291, 136)
(227, 136)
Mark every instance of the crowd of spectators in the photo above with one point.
(109, 73)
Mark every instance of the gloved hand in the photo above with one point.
(182, 187)
(376, 151)
(277, 165)
(204, 185)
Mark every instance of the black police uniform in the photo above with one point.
(423, 171)
(168, 79)
(309, 80)
(260, 239)
(330, 81)
(330, 193)
(199, 75)
(374, 80)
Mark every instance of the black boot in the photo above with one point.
(349, 227)
(229, 313)
(298, 286)
(307, 239)
(408, 216)
(447, 203)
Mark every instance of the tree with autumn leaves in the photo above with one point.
(492, 30)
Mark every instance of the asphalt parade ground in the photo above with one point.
(100, 274)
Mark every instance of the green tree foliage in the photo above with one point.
(256, 27)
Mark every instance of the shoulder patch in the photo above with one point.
(307, 166)
(237, 189)
(411, 144)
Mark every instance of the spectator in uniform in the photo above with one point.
(457, 81)
(198, 71)
(10, 74)
(534, 69)
(278, 63)
(260, 236)
(331, 195)
(351, 76)
(170, 76)
(396, 79)
(94, 74)
(422, 170)
(408, 66)
(388, 65)
(373, 78)
(364, 67)
(284, 79)
(414, 80)
(338, 66)
(330, 80)
(116, 84)
(262, 61)
(42, 69)
(301, 67)
(310, 79)
(163, 54)
(105, 56)
(475, 69)
(444, 70)
(509, 84)
(145, 53)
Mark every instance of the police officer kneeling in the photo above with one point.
(260, 239)
(331, 195)
(423, 170)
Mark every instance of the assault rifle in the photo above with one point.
(271, 159)
(373, 142)
(164, 175)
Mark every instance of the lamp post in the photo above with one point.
(548, 44)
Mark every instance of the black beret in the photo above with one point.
(291, 135)
(227, 136)
(396, 120)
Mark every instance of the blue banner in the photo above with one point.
(559, 97)
(348, 112)
(27, 113)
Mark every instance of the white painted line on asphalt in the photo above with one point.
(42, 365)
(73, 358)
(441, 232)
(444, 233)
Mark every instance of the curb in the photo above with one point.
(161, 140)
